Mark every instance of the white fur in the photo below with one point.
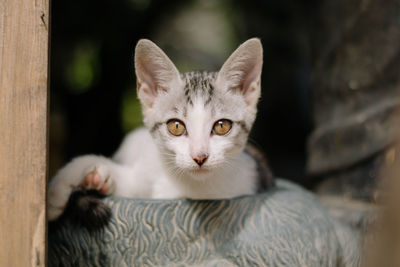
(161, 165)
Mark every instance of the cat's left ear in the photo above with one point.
(155, 72)
(242, 71)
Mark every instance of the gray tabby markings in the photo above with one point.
(199, 82)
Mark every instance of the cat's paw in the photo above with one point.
(74, 177)
(98, 178)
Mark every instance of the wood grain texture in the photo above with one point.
(24, 40)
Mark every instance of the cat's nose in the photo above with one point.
(200, 159)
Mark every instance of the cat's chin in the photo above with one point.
(199, 173)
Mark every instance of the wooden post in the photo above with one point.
(24, 40)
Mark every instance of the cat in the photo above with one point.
(193, 144)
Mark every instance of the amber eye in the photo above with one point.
(222, 127)
(176, 127)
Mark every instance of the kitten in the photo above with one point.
(193, 145)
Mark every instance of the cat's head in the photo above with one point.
(200, 120)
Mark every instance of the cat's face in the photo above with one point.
(200, 120)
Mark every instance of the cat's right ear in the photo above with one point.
(242, 71)
(155, 72)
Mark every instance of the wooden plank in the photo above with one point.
(24, 38)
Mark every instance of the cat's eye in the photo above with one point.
(176, 127)
(222, 127)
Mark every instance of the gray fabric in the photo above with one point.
(285, 226)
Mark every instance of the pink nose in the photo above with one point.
(200, 159)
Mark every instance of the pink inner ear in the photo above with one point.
(250, 76)
(146, 95)
(145, 72)
(145, 88)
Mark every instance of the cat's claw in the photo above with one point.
(98, 178)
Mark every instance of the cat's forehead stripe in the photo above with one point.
(210, 93)
(198, 83)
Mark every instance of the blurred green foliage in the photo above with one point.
(82, 71)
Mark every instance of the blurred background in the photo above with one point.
(330, 69)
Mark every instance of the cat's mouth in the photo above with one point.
(200, 170)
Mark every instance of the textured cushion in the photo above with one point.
(286, 226)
